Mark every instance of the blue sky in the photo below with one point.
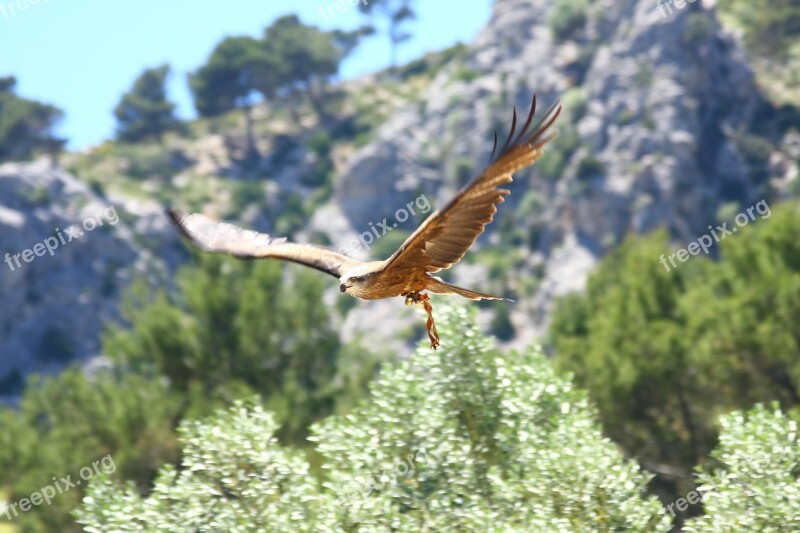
(81, 55)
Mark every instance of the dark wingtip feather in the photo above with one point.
(529, 134)
(494, 146)
(524, 129)
(175, 215)
(544, 124)
(511, 131)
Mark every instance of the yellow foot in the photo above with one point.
(423, 300)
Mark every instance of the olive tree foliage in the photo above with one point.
(463, 439)
(756, 486)
(235, 477)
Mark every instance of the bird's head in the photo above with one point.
(356, 281)
(352, 283)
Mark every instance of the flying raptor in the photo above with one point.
(439, 243)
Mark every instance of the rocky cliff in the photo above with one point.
(69, 253)
(664, 126)
(659, 109)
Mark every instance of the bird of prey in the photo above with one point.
(439, 243)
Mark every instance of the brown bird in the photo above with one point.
(440, 242)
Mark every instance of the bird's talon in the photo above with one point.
(423, 301)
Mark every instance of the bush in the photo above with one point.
(464, 438)
(770, 27)
(756, 487)
(465, 74)
(590, 167)
(147, 161)
(756, 151)
(567, 17)
(699, 28)
(235, 478)
(556, 157)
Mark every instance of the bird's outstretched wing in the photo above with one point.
(222, 237)
(446, 235)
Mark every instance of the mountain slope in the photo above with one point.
(664, 125)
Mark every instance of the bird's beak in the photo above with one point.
(343, 287)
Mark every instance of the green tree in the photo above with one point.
(238, 328)
(397, 14)
(144, 112)
(291, 57)
(462, 439)
(232, 330)
(309, 56)
(64, 423)
(664, 353)
(743, 314)
(26, 126)
(623, 339)
(237, 70)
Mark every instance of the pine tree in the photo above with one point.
(144, 112)
(26, 126)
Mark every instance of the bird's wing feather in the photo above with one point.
(222, 237)
(446, 235)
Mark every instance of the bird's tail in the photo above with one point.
(442, 287)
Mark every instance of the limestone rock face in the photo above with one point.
(655, 105)
(651, 101)
(54, 305)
